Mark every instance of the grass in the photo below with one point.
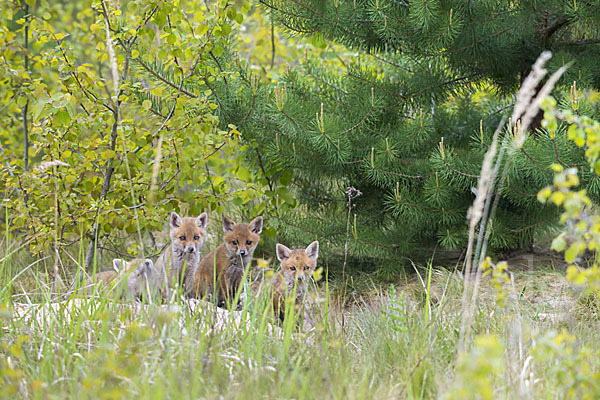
(397, 342)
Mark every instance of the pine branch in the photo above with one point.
(164, 79)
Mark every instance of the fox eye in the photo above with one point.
(292, 268)
(248, 242)
(181, 237)
(235, 242)
(306, 267)
(196, 237)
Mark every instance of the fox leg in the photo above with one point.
(233, 280)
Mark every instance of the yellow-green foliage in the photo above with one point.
(583, 224)
(115, 365)
(499, 277)
(570, 368)
(480, 370)
(115, 100)
(11, 372)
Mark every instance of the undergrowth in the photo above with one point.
(394, 342)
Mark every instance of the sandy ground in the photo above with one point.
(213, 318)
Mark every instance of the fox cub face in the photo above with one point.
(141, 279)
(188, 234)
(241, 239)
(141, 275)
(297, 264)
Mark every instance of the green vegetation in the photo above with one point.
(405, 113)
(388, 142)
(100, 141)
(387, 348)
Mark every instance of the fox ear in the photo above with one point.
(148, 265)
(118, 264)
(312, 251)
(175, 221)
(283, 253)
(202, 220)
(256, 225)
(227, 224)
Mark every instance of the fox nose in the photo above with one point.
(190, 249)
(243, 252)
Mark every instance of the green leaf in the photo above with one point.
(243, 174)
(218, 51)
(62, 117)
(202, 29)
(572, 252)
(107, 154)
(286, 196)
(258, 209)
(39, 107)
(226, 29)
(270, 232)
(286, 177)
(559, 244)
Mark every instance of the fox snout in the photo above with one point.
(190, 249)
(242, 252)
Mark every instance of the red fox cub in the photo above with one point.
(127, 279)
(187, 237)
(143, 279)
(297, 266)
(226, 264)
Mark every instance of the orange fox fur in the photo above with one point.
(297, 266)
(187, 237)
(226, 264)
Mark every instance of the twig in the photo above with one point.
(458, 172)
(272, 43)
(164, 80)
(25, 107)
(262, 168)
(212, 187)
(215, 150)
(114, 129)
(25, 128)
(351, 193)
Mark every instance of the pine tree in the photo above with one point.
(407, 119)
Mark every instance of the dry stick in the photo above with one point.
(212, 187)
(525, 108)
(490, 194)
(475, 214)
(56, 236)
(105, 187)
(155, 170)
(104, 191)
(113, 133)
(352, 193)
(25, 107)
(529, 113)
(272, 43)
(135, 208)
